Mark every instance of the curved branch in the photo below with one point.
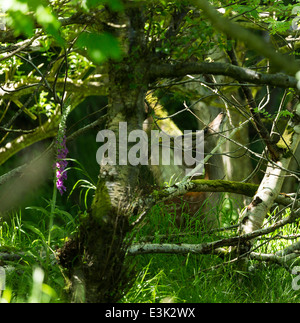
(240, 74)
(87, 88)
(18, 171)
(47, 130)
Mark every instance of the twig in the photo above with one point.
(19, 49)
(37, 69)
(83, 130)
(260, 127)
(16, 130)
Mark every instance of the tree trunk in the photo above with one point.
(270, 186)
(100, 273)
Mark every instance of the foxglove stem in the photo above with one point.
(61, 163)
(62, 151)
(59, 166)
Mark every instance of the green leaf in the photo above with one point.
(49, 22)
(15, 5)
(35, 230)
(100, 47)
(45, 17)
(38, 208)
(115, 5)
(21, 23)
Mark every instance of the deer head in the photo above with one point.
(199, 203)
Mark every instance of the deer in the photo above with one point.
(203, 204)
(199, 204)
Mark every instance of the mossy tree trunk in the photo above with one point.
(100, 272)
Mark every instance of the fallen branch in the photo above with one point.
(274, 258)
(212, 247)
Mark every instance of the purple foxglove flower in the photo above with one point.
(61, 164)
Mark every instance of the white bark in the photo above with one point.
(216, 247)
(281, 260)
(269, 188)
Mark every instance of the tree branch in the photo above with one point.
(211, 247)
(260, 127)
(284, 63)
(201, 185)
(280, 260)
(238, 73)
(17, 172)
(86, 88)
(24, 45)
(47, 130)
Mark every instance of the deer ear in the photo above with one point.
(216, 124)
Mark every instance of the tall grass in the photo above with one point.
(32, 236)
(33, 277)
(205, 278)
(159, 277)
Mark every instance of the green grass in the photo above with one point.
(188, 279)
(206, 278)
(33, 278)
(159, 277)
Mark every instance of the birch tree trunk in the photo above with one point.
(270, 186)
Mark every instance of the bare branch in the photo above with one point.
(25, 44)
(210, 247)
(260, 127)
(238, 73)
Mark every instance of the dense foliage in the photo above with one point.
(69, 68)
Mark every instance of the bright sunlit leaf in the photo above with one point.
(49, 21)
(100, 46)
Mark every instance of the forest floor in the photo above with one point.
(167, 278)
